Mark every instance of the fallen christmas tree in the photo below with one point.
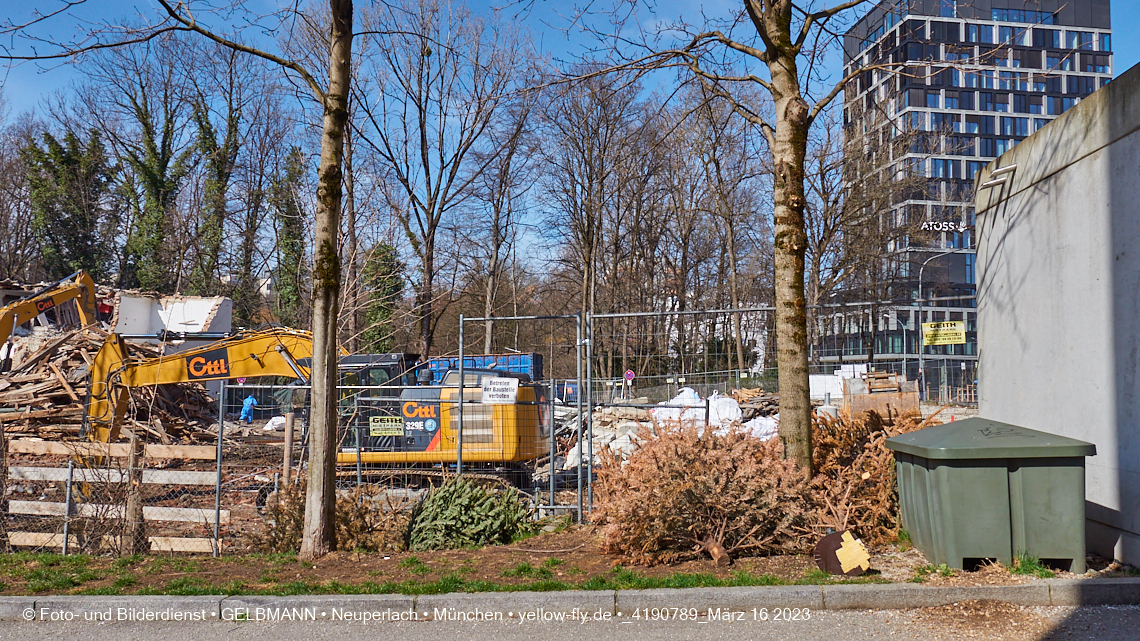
(688, 491)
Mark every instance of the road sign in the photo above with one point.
(241, 381)
(629, 375)
(944, 333)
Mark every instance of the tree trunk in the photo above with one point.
(789, 151)
(319, 535)
(351, 281)
(425, 298)
(735, 294)
(492, 283)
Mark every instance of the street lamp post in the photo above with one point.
(921, 346)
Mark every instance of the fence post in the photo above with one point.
(579, 435)
(287, 464)
(218, 466)
(67, 504)
(134, 533)
(459, 428)
(552, 450)
(589, 414)
(359, 449)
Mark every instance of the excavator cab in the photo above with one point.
(78, 287)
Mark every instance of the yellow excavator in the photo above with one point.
(78, 287)
(416, 432)
(269, 352)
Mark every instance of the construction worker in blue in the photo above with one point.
(247, 409)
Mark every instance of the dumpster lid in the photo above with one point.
(975, 438)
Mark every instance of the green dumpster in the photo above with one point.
(978, 489)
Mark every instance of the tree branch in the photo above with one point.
(192, 25)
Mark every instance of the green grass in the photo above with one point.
(125, 580)
(816, 574)
(526, 571)
(618, 578)
(904, 543)
(173, 564)
(923, 572)
(415, 566)
(1030, 565)
(43, 572)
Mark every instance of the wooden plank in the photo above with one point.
(150, 512)
(63, 381)
(183, 514)
(43, 352)
(179, 477)
(178, 544)
(157, 543)
(195, 452)
(81, 475)
(39, 539)
(119, 450)
(56, 448)
(103, 475)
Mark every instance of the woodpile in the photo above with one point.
(45, 393)
(756, 402)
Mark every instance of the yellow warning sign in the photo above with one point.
(944, 333)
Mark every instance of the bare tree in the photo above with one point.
(773, 46)
(319, 535)
(500, 189)
(442, 76)
(19, 250)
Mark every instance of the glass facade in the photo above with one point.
(967, 84)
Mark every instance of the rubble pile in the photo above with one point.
(756, 402)
(45, 392)
(621, 428)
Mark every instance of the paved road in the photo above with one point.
(1046, 623)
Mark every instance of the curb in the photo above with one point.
(894, 596)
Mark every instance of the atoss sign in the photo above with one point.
(212, 364)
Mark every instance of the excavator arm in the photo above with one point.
(271, 352)
(77, 286)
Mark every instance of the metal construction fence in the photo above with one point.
(610, 375)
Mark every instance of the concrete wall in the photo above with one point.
(1059, 298)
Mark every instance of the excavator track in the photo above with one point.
(485, 478)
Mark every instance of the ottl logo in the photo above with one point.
(44, 305)
(413, 409)
(208, 365)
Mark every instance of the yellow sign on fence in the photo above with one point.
(385, 426)
(944, 333)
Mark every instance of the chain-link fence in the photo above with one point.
(140, 496)
(609, 381)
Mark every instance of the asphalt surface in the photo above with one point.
(1110, 623)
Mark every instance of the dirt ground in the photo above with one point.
(570, 557)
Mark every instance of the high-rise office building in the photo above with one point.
(963, 81)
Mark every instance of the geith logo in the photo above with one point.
(45, 304)
(214, 364)
(413, 409)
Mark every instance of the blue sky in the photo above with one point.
(27, 86)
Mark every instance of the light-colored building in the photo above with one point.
(1059, 297)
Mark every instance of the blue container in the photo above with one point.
(529, 364)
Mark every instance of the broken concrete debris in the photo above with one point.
(620, 428)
